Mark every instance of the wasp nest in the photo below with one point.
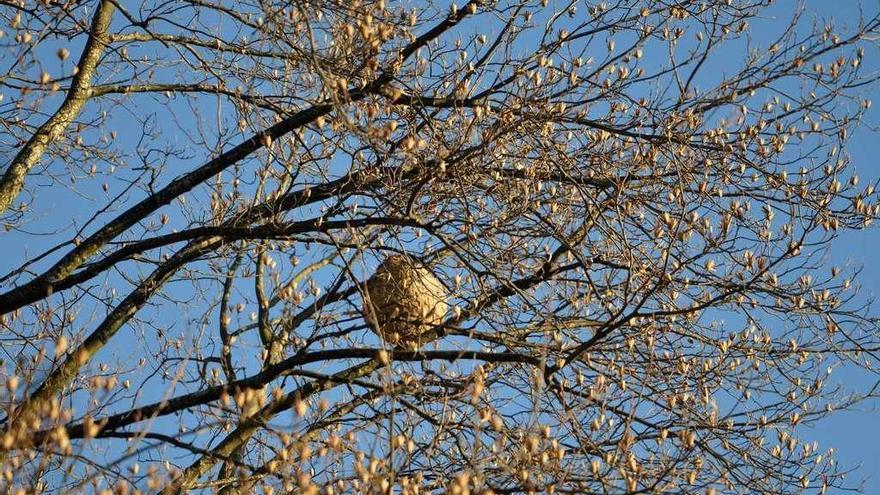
(403, 300)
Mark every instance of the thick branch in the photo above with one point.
(13, 179)
(282, 368)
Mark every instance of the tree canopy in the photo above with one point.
(628, 202)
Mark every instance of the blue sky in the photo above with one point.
(855, 435)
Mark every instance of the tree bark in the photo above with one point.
(80, 90)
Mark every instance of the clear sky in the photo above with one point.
(855, 435)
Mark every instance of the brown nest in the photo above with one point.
(403, 300)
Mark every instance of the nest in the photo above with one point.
(403, 300)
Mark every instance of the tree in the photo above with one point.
(629, 203)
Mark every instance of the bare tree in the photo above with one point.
(629, 204)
